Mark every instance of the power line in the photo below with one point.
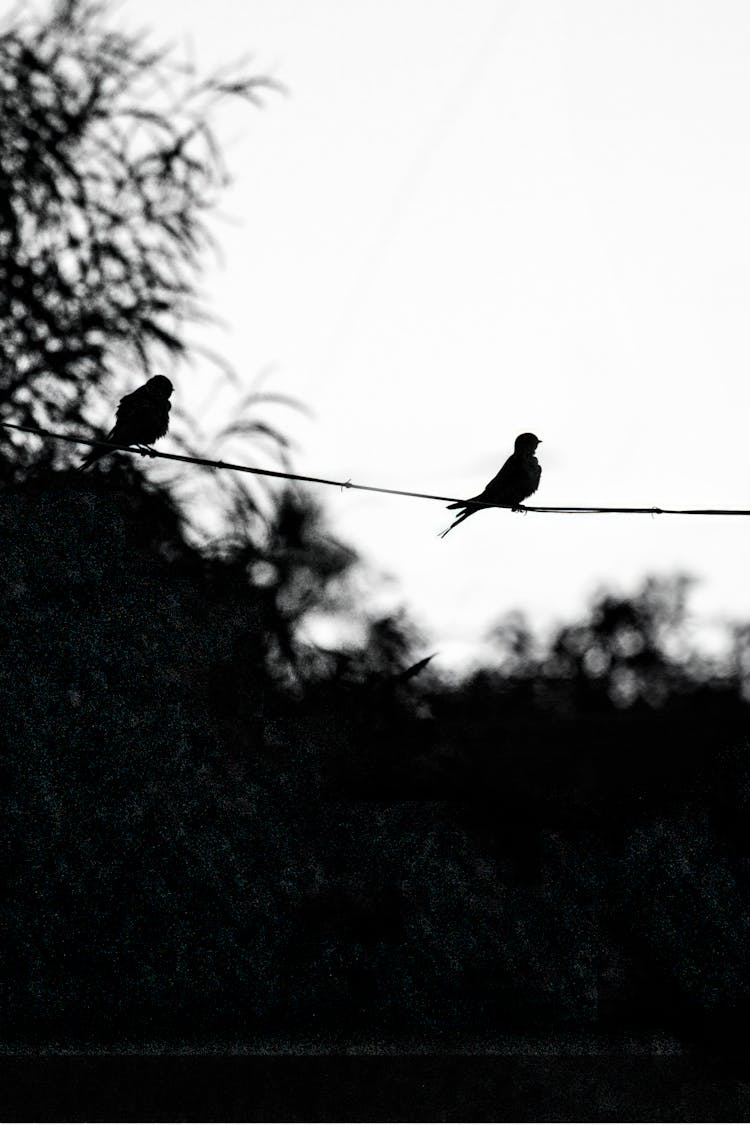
(146, 451)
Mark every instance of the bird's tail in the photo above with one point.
(93, 455)
(89, 460)
(459, 519)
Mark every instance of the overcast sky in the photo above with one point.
(469, 220)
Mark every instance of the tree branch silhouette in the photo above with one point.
(108, 167)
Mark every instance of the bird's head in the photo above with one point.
(527, 443)
(160, 386)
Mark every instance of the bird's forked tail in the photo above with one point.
(94, 454)
(459, 519)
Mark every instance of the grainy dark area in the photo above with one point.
(216, 831)
(362, 1089)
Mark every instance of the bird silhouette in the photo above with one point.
(142, 418)
(517, 480)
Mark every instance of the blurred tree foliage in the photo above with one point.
(203, 845)
(627, 652)
(108, 165)
(163, 799)
(603, 704)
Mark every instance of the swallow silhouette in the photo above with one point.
(517, 480)
(142, 418)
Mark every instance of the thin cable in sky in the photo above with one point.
(347, 484)
(471, 74)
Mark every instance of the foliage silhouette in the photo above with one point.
(159, 773)
(203, 830)
(108, 165)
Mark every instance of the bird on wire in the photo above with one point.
(517, 480)
(142, 418)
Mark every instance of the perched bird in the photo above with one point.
(518, 479)
(142, 418)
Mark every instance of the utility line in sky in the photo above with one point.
(342, 484)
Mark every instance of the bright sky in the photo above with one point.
(470, 220)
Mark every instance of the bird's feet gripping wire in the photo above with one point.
(520, 508)
(145, 450)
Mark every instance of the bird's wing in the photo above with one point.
(141, 419)
(129, 413)
(502, 484)
(158, 419)
(492, 493)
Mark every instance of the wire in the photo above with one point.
(146, 451)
